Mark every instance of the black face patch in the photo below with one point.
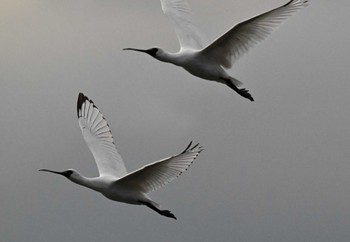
(67, 173)
(152, 51)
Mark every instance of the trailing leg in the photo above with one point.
(243, 92)
(165, 213)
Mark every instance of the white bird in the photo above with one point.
(209, 62)
(114, 182)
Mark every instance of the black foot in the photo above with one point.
(167, 213)
(245, 93)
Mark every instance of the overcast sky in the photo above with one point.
(277, 169)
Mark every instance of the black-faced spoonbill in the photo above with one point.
(114, 182)
(209, 62)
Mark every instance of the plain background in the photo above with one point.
(277, 169)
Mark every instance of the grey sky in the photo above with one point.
(273, 170)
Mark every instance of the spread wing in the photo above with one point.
(157, 174)
(180, 14)
(239, 39)
(99, 139)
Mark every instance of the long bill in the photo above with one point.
(140, 50)
(151, 52)
(63, 173)
(56, 172)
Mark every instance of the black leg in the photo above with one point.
(165, 213)
(243, 92)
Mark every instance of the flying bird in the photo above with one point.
(210, 61)
(114, 182)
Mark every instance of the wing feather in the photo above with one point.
(239, 39)
(180, 15)
(155, 175)
(99, 139)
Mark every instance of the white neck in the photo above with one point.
(168, 57)
(95, 183)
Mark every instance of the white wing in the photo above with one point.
(230, 46)
(180, 14)
(157, 174)
(99, 139)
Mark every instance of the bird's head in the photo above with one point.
(152, 51)
(70, 173)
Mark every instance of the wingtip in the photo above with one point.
(200, 148)
(81, 99)
(298, 2)
(188, 146)
(194, 146)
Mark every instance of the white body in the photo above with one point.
(195, 63)
(108, 186)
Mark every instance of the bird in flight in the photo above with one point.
(211, 61)
(114, 182)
